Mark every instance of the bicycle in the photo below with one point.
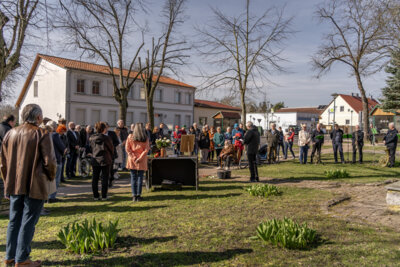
(86, 169)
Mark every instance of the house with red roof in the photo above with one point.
(215, 114)
(345, 110)
(83, 92)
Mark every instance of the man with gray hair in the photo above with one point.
(26, 181)
(252, 140)
(390, 141)
(272, 142)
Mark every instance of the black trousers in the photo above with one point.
(111, 175)
(104, 172)
(392, 156)
(360, 153)
(71, 164)
(337, 147)
(316, 148)
(253, 167)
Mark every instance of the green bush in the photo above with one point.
(337, 173)
(265, 190)
(286, 233)
(89, 237)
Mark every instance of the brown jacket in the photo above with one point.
(28, 161)
(229, 151)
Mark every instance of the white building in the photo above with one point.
(82, 92)
(346, 110)
(286, 117)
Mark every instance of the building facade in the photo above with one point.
(205, 110)
(83, 92)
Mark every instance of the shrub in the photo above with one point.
(89, 237)
(265, 190)
(337, 173)
(286, 233)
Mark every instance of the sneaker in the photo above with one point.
(139, 198)
(134, 198)
(226, 168)
(219, 168)
(96, 198)
(105, 198)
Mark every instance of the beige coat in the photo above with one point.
(304, 138)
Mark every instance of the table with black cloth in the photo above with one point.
(182, 170)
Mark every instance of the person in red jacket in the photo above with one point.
(176, 140)
(288, 142)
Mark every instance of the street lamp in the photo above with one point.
(334, 95)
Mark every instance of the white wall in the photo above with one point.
(283, 119)
(51, 90)
(342, 118)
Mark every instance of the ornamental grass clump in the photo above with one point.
(286, 233)
(337, 173)
(89, 237)
(265, 190)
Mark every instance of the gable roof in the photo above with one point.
(313, 110)
(228, 115)
(355, 102)
(212, 104)
(84, 66)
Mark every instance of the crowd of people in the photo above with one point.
(42, 152)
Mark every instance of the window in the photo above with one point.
(35, 89)
(129, 118)
(95, 116)
(112, 117)
(347, 122)
(158, 95)
(341, 108)
(80, 86)
(143, 117)
(110, 88)
(187, 120)
(142, 94)
(177, 97)
(81, 116)
(188, 99)
(202, 121)
(96, 88)
(177, 120)
(131, 94)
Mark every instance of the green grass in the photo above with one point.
(364, 173)
(210, 227)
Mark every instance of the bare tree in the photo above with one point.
(358, 39)
(15, 18)
(246, 50)
(101, 29)
(164, 53)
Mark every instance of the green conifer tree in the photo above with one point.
(391, 93)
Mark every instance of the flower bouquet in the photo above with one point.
(162, 144)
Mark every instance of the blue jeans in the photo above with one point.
(58, 180)
(123, 158)
(24, 215)
(303, 154)
(136, 182)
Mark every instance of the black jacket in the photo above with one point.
(72, 141)
(114, 138)
(4, 128)
(252, 140)
(204, 142)
(59, 147)
(391, 138)
(102, 149)
(82, 138)
(337, 132)
(314, 135)
(360, 138)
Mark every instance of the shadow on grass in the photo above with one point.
(187, 197)
(129, 241)
(69, 210)
(158, 259)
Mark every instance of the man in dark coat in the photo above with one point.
(123, 135)
(115, 142)
(317, 139)
(73, 146)
(272, 142)
(390, 141)
(357, 141)
(6, 125)
(337, 143)
(252, 140)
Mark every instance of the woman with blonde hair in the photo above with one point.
(304, 141)
(137, 147)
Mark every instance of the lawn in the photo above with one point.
(211, 227)
(368, 172)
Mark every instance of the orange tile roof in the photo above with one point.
(213, 104)
(356, 103)
(85, 66)
(314, 110)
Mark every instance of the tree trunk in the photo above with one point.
(365, 118)
(150, 111)
(123, 106)
(243, 100)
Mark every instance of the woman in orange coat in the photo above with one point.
(137, 146)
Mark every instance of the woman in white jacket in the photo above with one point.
(304, 141)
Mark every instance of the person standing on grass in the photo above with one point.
(357, 141)
(304, 143)
(280, 142)
(317, 139)
(73, 145)
(204, 145)
(252, 140)
(196, 133)
(115, 141)
(176, 140)
(6, 125)
(28, 164)
(219, 141)
(228, 134)
(137, 147)
(272, 142)
(124, 134)
(211, 134)
(102, 159)
(290, 141)
(337, 143)
(390, 141)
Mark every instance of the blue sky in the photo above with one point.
(296, 88)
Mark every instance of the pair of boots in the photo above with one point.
(137, 198)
